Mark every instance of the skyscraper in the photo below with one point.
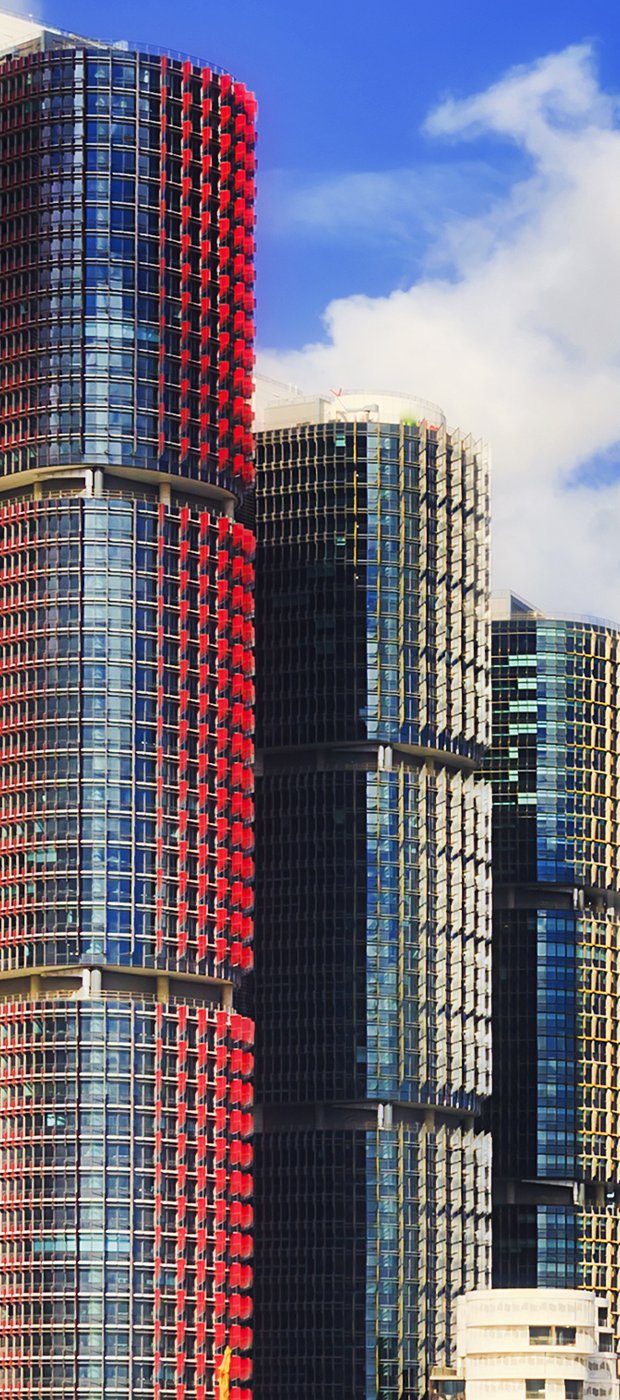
(372, 976)
(126, 720)
(556, 963)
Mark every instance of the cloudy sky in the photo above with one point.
(440, 214)
(512, 321)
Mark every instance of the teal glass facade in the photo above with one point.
(554, 1112)
(371, 983)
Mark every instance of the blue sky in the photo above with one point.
(440, 214)
(345, 87)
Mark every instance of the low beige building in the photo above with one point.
(531, 1344)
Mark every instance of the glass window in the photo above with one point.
(123, 75)
(98, 72)
(565, 1336)
(540, 1337)
(535, 1390)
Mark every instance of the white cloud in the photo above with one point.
(532, 105)
(372, 207)
(521, 342)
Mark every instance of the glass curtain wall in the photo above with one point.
(371, 985)
(554, 769)
(126, 724)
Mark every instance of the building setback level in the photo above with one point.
(372, 977)
(126, 722)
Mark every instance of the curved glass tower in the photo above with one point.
(556, 1101)
(372, 976)
(126, 723)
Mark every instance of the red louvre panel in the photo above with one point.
(211, 780)
(236, 255)
(206, 726)
(207, 289)
(159, 1187)
(205, 1297)
(160, 829)
(163, 254)
(223, 703)
(186, 277)
(182, 1222)
(203, 1284)
(235, 546)
(184, 719)
(233, 1310)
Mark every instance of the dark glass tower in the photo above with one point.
(126, 720)
(372, 978)
(556, 1106)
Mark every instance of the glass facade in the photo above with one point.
(126, 268)
(124, 1262)
(126, 746)
(372, 977)
(126, 725)
(555, 1106)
